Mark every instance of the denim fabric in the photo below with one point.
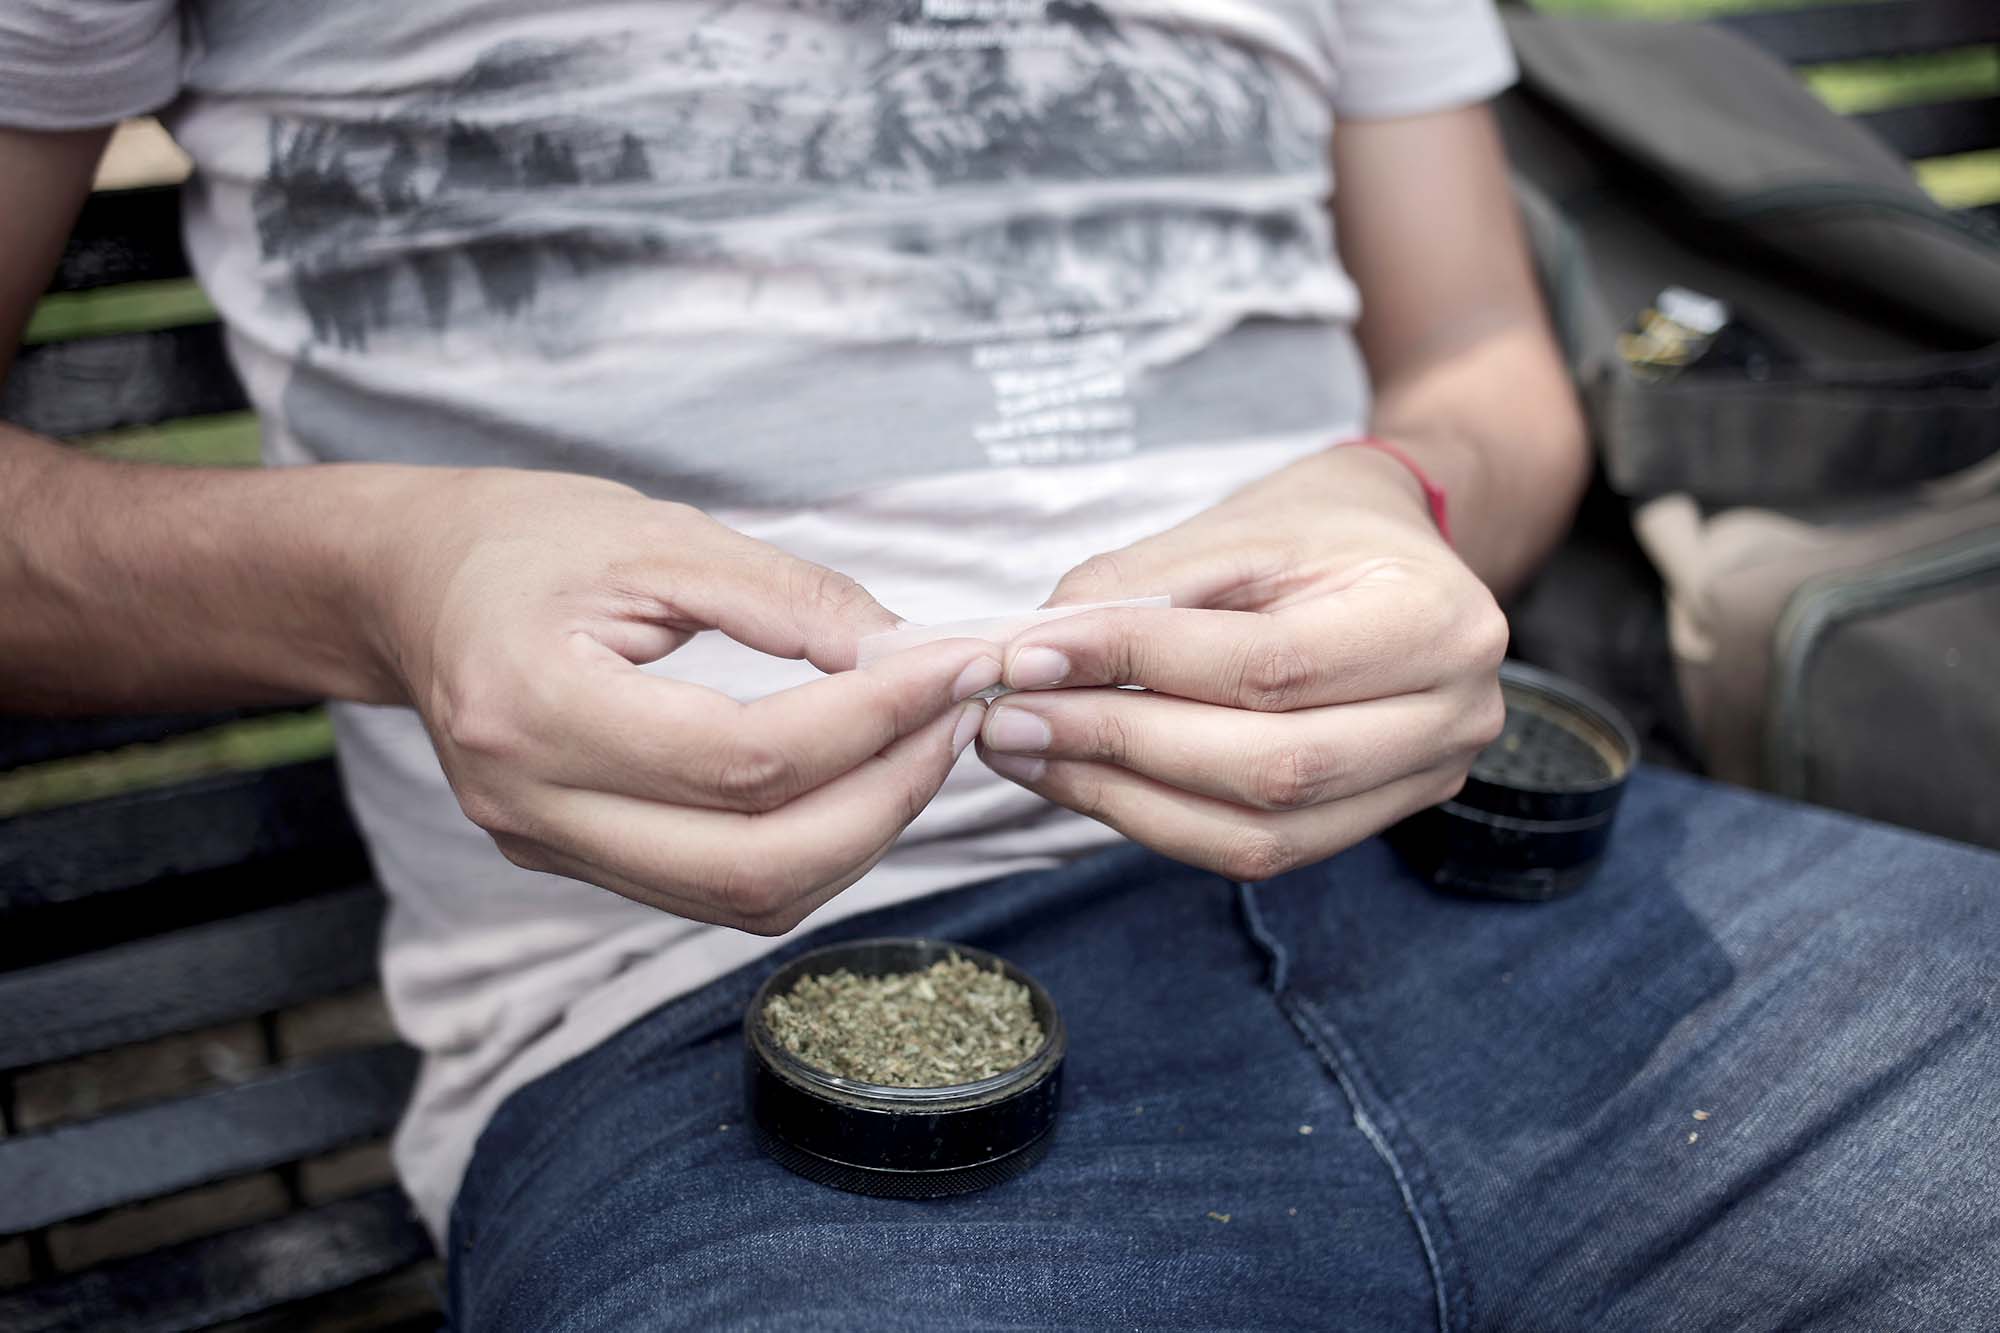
(1340, 1100)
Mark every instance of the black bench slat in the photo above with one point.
(73, 1170)
(86, 385)
(1825, 34)
(204, 1282)
(1938, 130)
(124, 236)
(75, 852)
(36, 740)
(192, 978)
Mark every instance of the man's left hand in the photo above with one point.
(1329, 667)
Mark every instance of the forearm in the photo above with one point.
(132, 586)
(1496, 424)
(1467, 375)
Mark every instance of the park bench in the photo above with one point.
(233, 897)
(238, 897)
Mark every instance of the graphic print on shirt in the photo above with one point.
(1011, 231)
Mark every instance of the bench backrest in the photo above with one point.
(216, 898)
(240, 894)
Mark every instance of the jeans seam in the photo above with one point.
(1279, 977)
(1349, 1073)
(1391, 1141)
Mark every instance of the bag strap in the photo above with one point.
(1734, 442)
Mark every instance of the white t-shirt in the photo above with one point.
(945, 294)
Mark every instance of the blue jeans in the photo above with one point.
(1748, 1079)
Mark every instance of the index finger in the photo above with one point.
(1341, 647)
(667, 740)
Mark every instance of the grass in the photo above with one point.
(232, 440)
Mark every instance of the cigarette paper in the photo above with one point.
(994, 629)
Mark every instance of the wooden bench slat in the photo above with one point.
(75, 852)
(250, 964)
(86, 385)
(1825, 34)
(124, 236)
(204, 1282)
(73, 1170)
(1940, 129)
(36, 740)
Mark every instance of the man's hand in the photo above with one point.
(513, 611)
(510, 609)
(1336, 673)
(1341, 671)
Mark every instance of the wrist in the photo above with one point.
(1376, 482)
(1414, 475)
(379, 562)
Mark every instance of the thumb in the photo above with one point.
(770, 600)
(1192, 567)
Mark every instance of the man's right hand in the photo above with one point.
(514, 607)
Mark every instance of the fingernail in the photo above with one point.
(968, 727)
(1037, 667)
(983, 674)
(1017, 731)
(1018, 767)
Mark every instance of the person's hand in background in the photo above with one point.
(1329, 668)
(516, 612)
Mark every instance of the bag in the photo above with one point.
(1790, 357)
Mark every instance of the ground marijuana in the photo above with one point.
(950, 1023)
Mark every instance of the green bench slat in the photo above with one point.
(86, 385)
(75, 852)
(205, 1282)
(1938, 130)
(73, 1170)
(124, 236)
(35, 740)
(250, 964)
(1826, 34)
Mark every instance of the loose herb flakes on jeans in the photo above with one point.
(950, 1023)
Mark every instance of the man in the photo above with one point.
(580, 331)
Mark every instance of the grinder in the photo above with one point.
(1536, 812)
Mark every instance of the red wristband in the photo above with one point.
(1433, 492)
